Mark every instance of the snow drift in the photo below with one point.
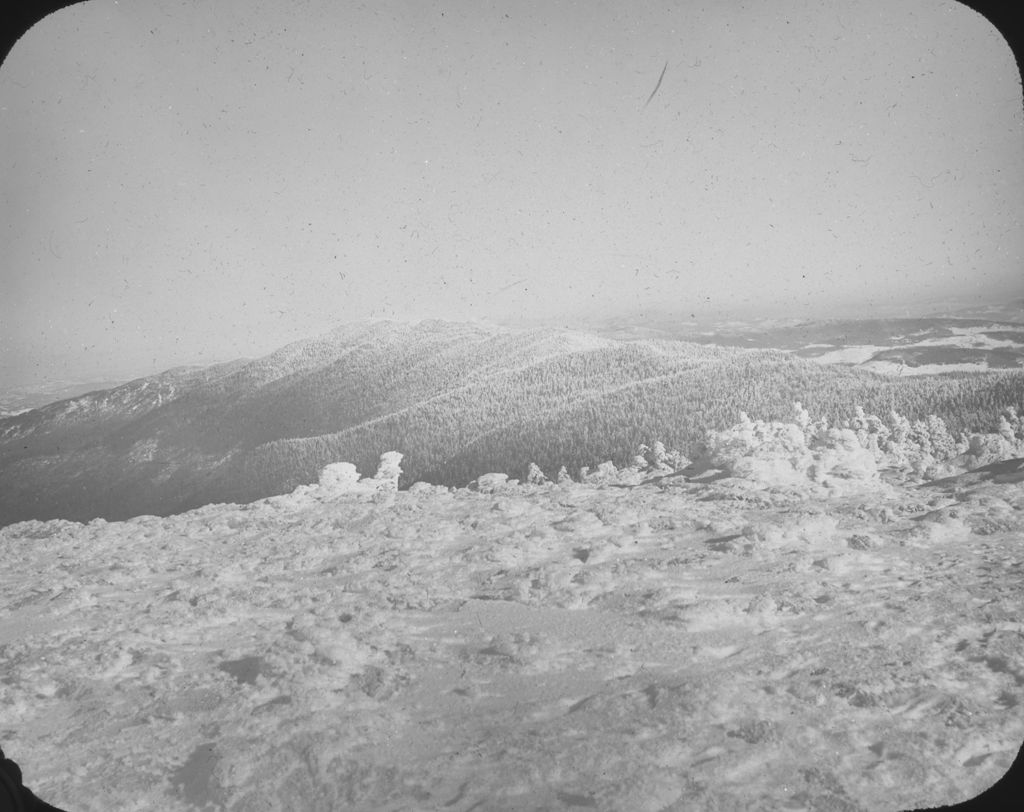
(791, 629)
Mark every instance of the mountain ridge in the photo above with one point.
(457, 399)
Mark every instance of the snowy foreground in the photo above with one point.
(644, 643)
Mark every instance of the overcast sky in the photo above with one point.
(192, 181)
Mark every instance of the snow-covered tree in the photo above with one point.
(535, 476)
(389, 470)
(605, 472)
(900, 428)
(983, 449)
(802, 416)
(659, 459)
(920, 439)
(943, 446)
(791, 453)
(878, 429)
(1006, 428)
(1015, 421)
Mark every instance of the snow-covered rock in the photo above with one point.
(490, 483)
(338, 477)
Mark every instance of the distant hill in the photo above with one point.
(1011, 310)
(457, 400)
(896, 346)
(23, 398)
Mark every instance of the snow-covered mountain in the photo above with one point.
(457, 400)
(895, 346)
(16, 400)
(791, 623)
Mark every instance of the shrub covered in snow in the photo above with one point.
(983, 449)
(658, 459)
(338, 476)
(928, 449)
(1011, 425)
(792, 453)
(1005, 443)
(606, 473)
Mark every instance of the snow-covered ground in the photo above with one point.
(973, 338)
(982, 339)
(847, 355)
(649, 642)
(897, 369)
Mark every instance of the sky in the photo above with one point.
(186, 182)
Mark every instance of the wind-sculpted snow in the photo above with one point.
(649, 639)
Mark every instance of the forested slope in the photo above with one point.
(457, 400)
